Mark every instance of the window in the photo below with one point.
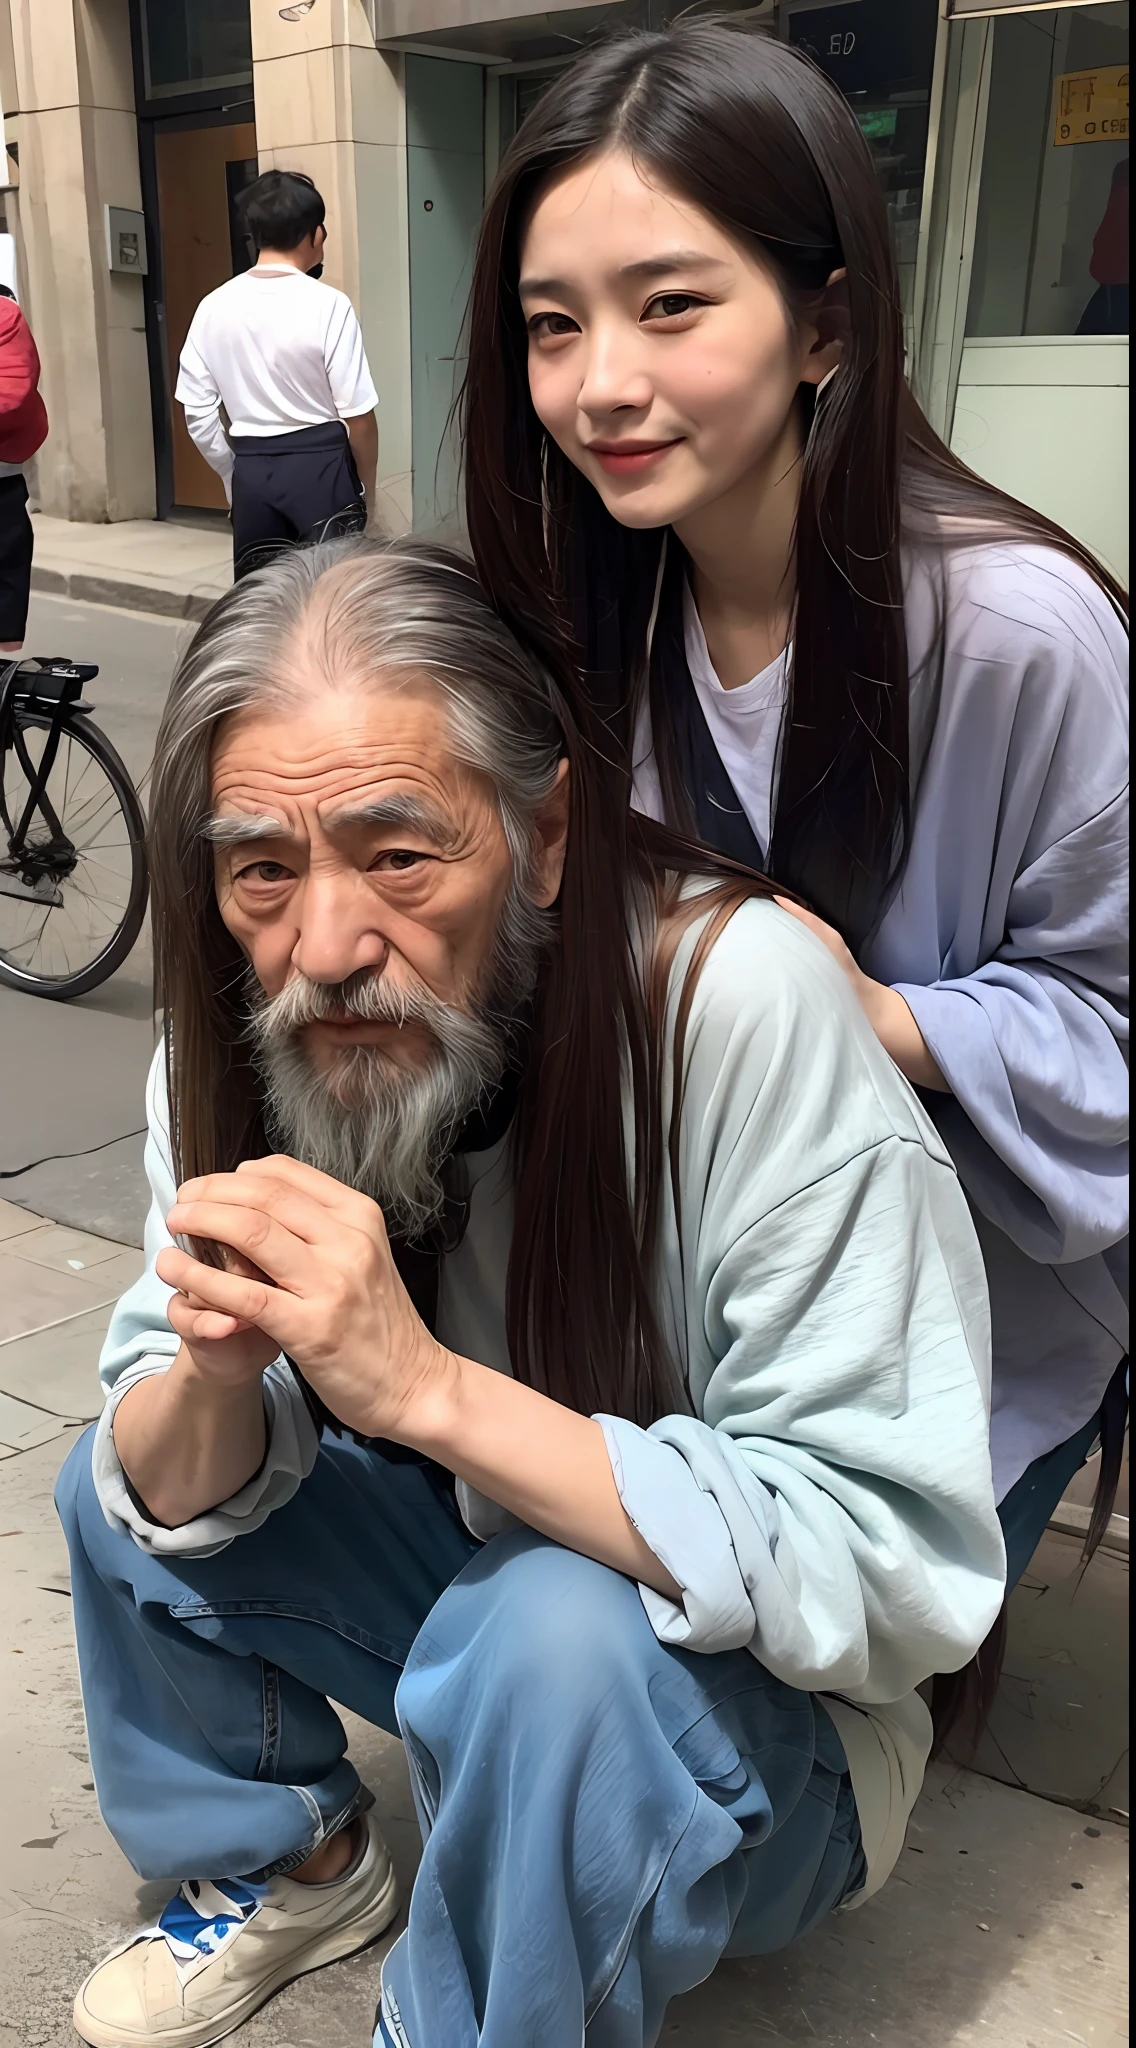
(195, 45)
(881, 56)
(1051, 235)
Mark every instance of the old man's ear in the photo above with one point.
(550, 840)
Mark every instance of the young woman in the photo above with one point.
(697, 479)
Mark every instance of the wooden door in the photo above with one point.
(200, 172)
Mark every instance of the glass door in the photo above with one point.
(1051, 236)
(882, 58)
(197, 151)
(200, 175)
(1025, 355)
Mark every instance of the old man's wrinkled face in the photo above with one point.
(366, 873)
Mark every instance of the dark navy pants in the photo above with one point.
(290, 487)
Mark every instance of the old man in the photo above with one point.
(563, 1341)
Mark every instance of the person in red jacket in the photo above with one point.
(23, 429)
(1107, 310)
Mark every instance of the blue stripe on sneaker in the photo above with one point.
(183, 1921)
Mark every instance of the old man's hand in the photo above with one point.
(329, 1293)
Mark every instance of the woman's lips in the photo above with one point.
(631, 459)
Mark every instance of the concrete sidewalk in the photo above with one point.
(149, 565)
(1004, 1921)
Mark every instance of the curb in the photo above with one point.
(1070, 1520)
(135, 597)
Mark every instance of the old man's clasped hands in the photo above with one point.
(308, 1270)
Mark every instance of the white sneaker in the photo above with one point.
(220, 1950)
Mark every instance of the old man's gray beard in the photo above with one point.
(384, 1128)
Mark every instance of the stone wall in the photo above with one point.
(326, 102)
(71, 115)
(329, 103)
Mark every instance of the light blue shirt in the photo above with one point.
(825, 1498)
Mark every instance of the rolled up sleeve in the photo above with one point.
(140, 1343)
(1034, 1044)
(1008, 939)
(832, 1508)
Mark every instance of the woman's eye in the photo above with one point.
(669, 305)
(552, 325)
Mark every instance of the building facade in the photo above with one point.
(999, 127)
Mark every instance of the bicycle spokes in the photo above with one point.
(72, 870)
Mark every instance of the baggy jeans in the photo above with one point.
(603, 1817)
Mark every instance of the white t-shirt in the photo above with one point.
(745, 726)
(280, 351)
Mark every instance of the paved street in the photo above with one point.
(1005, 1920)
(81, 1066)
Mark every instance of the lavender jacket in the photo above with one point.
(1009, 942)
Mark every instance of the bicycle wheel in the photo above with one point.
(73, 900)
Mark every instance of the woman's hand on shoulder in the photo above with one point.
(884, 1007)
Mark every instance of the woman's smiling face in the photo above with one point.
(663, 360)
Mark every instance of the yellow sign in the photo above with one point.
(1092, 106)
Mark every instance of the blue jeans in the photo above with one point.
(603, 1817)
(1025, 1513)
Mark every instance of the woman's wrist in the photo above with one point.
(894, 1025)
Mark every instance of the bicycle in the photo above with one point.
(73, 876)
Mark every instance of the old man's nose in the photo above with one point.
(331, 956)
(336, 939)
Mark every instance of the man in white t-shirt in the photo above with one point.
(284, 356)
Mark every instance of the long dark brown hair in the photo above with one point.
(753, 132)
(581, 1303)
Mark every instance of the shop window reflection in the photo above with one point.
(1051, 236)
(881, 55)
(195, 45)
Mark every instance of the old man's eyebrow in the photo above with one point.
(399, 809)
(237, 828)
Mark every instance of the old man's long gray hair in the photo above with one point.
(348, 611)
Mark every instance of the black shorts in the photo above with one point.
(292, 487)
(15, 557)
